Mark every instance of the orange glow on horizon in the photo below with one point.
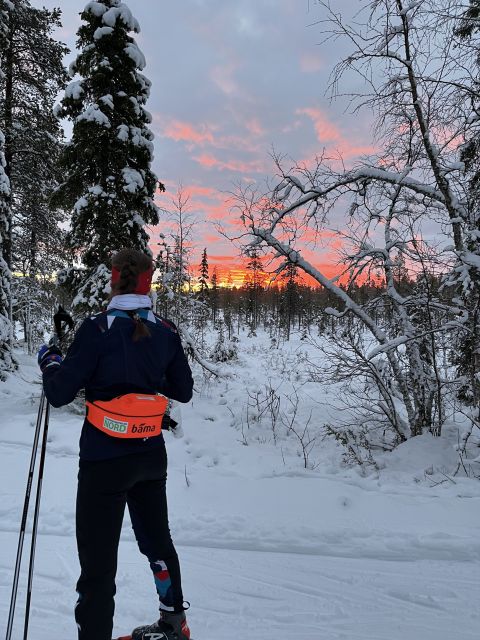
(236, 275)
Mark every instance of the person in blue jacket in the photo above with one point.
(125, 350)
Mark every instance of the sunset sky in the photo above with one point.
(232, 80)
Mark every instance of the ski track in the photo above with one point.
(292, 596)
(268, 551)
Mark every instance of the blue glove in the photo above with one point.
(49, 356)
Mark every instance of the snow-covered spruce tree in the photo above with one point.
(204, 277)
(253, 286)
(108, 182)
(201, 312)
(289, 298)
(7, 362)
(421, 95)
(213, 295)
(33, 76)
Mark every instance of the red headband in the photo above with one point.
(144, 280)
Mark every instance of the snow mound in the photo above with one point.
(423, 454)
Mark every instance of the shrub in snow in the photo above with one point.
(225, 350)
(33, 308)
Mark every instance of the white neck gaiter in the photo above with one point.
(130, 301)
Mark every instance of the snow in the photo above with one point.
(268, 549)
(398, 178)
(137, 219)
(139, 139)
(137, 108)
(455, 166)
(74, 90)
(80, 204)
(96, 287)
(471, 259)
(102, 31)
(136, 135)
(145, 85)
(4, 179)
(108, 100)
(93, 113)
(148, 116)
(391, 344)
(410, 7)
(133, 180)
(97, 8)
(134, 53)
(72, 69)
(97, 190)
(123, 13)
(123, 132)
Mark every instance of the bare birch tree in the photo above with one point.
(409, 201)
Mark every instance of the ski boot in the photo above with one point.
(170, 626)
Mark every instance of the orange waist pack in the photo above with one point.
(133, 415)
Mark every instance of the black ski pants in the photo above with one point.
(104, 489)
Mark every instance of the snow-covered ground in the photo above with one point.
(269, 550)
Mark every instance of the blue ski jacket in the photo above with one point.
(104, 360)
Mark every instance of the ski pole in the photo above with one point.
(23, 524)
(38, 497)
(60, 318)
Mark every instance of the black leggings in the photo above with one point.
(104, 488)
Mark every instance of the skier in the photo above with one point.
(123, 358)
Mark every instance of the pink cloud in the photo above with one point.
(222, 76)
(216, 211)
(211, 162)
(207, 134)
(206, 202)
(310, 63)
(195, 191)
(254, 127)
(207, 160)
(349, 151)
(326, 131)
(333, 140)
(184, 131)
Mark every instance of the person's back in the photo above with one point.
(107, 362)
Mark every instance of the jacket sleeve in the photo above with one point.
(178, 381)
(61, 384)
